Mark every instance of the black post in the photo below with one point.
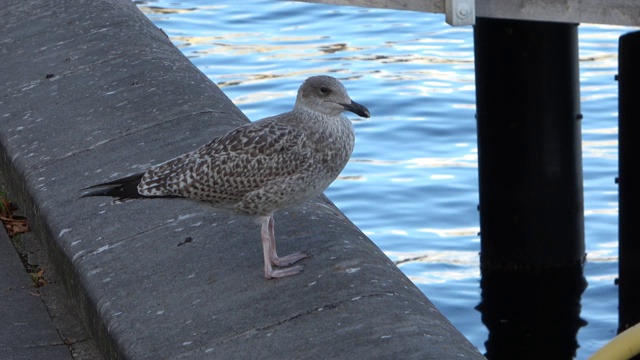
(629, 180)
(530, 164)
(530, 177)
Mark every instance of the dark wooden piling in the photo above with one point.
(532, 314)
(530, 165)
(629, 180)
(530, 177)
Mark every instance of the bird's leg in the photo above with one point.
(285, 260)
(266, 235)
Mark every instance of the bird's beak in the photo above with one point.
(357, 109)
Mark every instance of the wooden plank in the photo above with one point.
(611, 12)
(432, 6)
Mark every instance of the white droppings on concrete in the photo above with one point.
(105, 248)
(178, 229)
(197, 224)
(313, 283)
(78, 254)
(75, 242)
(323, 205)
(33, 84)
(209, 350)
(183, 217)
(144, 166)
(186, 343)
(160, 312)
(191, 276)
(106, 280)
(352, 270)
(63, 231)
(385, 336)
(356, 298)
(101, 249)
(94, 271)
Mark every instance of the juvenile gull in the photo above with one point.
(261, 167)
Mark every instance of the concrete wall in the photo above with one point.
(91, 90)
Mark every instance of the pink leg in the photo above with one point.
(270, 256)
(285, 260)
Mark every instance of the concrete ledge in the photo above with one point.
(91, 88)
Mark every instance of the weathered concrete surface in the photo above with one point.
(27, 331)
(27, 312)
(91, 90)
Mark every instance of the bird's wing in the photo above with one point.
(228, 167)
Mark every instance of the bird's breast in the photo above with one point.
(332, 146)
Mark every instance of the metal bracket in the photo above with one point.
(460, 12)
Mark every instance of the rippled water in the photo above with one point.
(411, 185)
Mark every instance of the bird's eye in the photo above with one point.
(324, 90)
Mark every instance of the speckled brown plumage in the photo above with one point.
(263, 166)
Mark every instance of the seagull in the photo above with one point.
(261, 167)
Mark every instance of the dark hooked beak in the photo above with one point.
(357, 109)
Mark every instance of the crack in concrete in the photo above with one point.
(84, 255)
(129, 133)
(265, 327)
(36, 346)
(330, 306)
(121, 136)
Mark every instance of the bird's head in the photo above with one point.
(327, 95)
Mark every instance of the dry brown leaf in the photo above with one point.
(14, 225)
(38, 278)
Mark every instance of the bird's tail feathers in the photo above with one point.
(124, 188)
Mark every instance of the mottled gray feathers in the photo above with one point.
(263, 166)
